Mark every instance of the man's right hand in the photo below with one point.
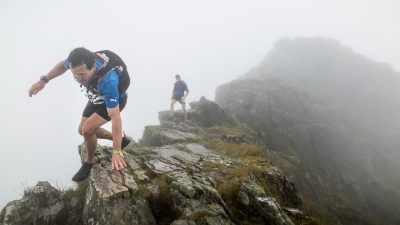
(36, 87)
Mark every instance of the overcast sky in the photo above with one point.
(208, 42)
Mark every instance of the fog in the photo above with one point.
(207, 42)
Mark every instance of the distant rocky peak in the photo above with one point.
(318, 59)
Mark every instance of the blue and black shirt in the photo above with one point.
(105, 90)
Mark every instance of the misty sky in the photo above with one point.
(208, 42)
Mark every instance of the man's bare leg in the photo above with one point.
(184, 111)
(89, 130)
(101, 133)
(171, 112)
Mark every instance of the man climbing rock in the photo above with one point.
(104, 77)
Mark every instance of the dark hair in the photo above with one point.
(80, 56)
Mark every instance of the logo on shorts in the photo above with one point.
(113, 100)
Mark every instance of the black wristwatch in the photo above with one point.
(44, 78)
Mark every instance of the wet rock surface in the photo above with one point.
(181, 174)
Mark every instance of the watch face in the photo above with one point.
(43, 78)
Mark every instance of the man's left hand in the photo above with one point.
(117, 162)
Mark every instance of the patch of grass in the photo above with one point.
(236, 151)
(229, 130)
(232, 179)
(217, 131)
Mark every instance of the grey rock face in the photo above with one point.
(112, 196)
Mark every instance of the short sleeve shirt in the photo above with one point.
(106, 91)
(179, 88)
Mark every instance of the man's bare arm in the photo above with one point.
(117, 161)
(56, 71)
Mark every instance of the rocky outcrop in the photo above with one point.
(44, 204)
(181, 174)
(203, 113)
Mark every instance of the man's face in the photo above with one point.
(82, 74)
(178, 78)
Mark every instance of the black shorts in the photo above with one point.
(101, 109)
(178, 98)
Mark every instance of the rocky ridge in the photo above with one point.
(204, 171)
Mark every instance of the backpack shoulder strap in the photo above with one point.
(114, 60)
